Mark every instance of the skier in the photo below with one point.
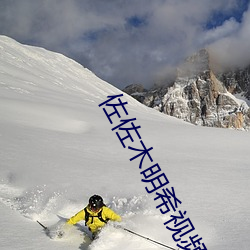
(95, 214)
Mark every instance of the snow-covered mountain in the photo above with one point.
(201, 95)
(58, 148)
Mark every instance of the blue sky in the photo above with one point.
(131, 41)
(218, 17)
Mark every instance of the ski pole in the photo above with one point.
(45, 228)
(147, 238)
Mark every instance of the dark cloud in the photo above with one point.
(123, 42)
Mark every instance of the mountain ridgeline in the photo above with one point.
(202, 95)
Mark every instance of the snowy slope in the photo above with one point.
(57, 149)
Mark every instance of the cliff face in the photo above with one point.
(237, 81)
(200, 97)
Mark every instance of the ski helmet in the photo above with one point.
(96, 202)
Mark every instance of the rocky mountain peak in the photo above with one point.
(196, 64)
(200, 96)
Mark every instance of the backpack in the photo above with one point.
(99, 216)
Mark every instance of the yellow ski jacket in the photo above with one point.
(94, 223)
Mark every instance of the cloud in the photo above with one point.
(233, 48)
(126, 42)
(228, 28)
